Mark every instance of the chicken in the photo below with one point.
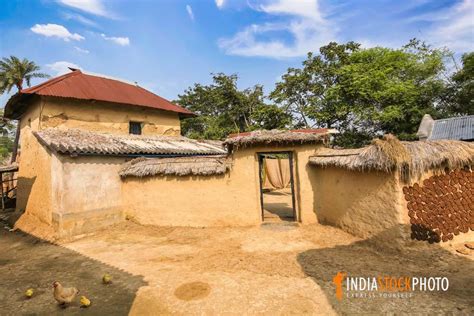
(29, 293)
(64, 294)
(85, 302)
(107, 278)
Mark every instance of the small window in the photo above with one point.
(135, 128)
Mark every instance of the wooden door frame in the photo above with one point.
(290, 154)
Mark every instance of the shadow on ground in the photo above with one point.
(282, 210)
(380, 256)
(28, 262)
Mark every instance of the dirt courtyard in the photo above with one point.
(277, 205)
(275, 269)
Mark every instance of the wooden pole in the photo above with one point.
(3, 198)
(15, 144)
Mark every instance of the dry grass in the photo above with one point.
(180, 166)
(277, 137)
(410, 159)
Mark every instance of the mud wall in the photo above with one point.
(106, 117)
(34, 192)
(361, 203)
(86, 193)
(232, 199)
(441, 206)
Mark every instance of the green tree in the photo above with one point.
(307, 93)
(223, 109)
(389, 90)
(460, 96)
(365, 92)
(7, 130)
(14, 71)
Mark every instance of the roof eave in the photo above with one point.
(16, 105)
(183, 115)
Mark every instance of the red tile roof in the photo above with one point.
(79, 85)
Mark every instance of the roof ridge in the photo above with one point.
(51, 81)
(97, 75)
(124, 81)
(454, 118)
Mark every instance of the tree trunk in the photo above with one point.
(15, 143)
(19, 85)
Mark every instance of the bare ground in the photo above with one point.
(274, 269)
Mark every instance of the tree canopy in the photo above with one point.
(461, 88)
(14, 71)
(223, 109)
(365, 92)
(362, 92)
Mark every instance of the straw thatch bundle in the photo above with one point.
(179, 166)
(410, 159)
(278, 137)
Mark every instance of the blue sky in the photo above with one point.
(167, 45)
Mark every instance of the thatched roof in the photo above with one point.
(180, 166)
(410, 159)
(80, 142)
(276, 137)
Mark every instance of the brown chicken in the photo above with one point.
(64, 294)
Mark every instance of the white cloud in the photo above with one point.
(219, 3)
(81, 50)
(453, 28)
(55, 30)
(303, 8)
(122, 41)
(90, 6)
(61, 67)
(190, 12)
(305, 23)
(79, 18)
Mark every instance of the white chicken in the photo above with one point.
(64, 295)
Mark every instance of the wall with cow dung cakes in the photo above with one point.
(441, 207)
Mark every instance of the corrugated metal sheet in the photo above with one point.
(456, 128)
(79, 142)
(79, 85)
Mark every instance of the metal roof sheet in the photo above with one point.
(456, 128)
(80, 142)
(78, 85)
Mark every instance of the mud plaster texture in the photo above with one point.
(274, 269)
(232, 199)
(361, 203)
(106, 117)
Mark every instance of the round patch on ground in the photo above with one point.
(192, 291)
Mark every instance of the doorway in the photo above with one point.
(277, 189)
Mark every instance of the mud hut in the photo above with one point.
(96, 150)
(426, 185)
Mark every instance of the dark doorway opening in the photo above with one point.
(277, 194)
